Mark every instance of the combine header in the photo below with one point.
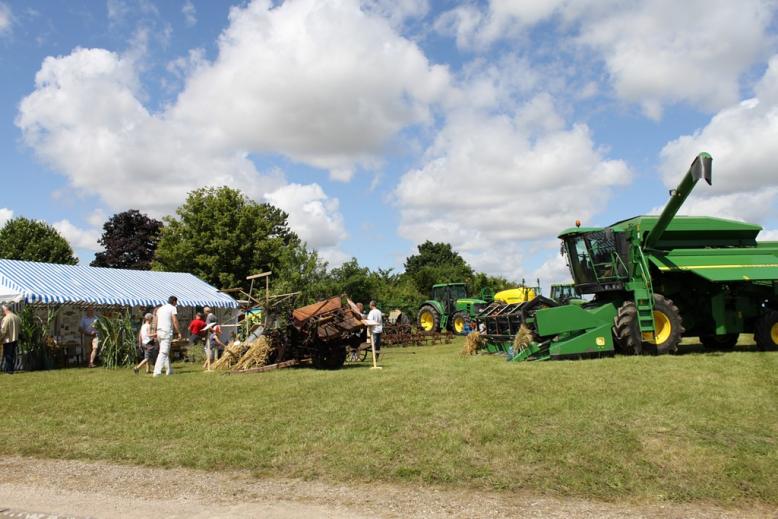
(655, 279)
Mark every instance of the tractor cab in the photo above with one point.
(564, 293)
(597, 258)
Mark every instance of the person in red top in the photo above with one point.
(196, 329)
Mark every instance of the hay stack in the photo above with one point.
(522, 339)
(232, 354)
(473, 342)
(256, 355)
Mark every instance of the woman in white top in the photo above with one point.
(147, 344)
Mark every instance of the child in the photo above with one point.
(148, 344)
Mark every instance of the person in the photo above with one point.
(196, 328)
(147, 344)
(87, 329)
(214, 347)
(9, 335)
(482, 328)
(376, 316)
(167, 323)
(210, 317)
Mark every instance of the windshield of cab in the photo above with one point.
(458, 292)
(593, 258)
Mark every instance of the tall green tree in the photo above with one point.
(32, 240)
(130, 239)
(436, 263)
(354, 281)
(221, 236)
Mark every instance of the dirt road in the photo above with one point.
(103, 490)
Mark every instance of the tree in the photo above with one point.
(355, 281)
(221, 236)
(130, 239)
(31, 240)
(436, 263)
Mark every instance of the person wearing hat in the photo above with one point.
(147, 344)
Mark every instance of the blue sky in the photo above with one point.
(379, 124)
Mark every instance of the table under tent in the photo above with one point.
(56, 297)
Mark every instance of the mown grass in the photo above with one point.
(700, 426)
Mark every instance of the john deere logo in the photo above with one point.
(600, 341)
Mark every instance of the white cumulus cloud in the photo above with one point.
(329, 84)
(490, 185)
(5, 215)
(741, 139)
(656, 52)
(312, 214)
(78, 237)
(323, 83)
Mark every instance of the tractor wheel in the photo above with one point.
(458, 321)
(766, 332)
(627, 331)
(719, 342)
(668, 325)
(428, 319)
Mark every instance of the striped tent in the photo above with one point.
(47, 283)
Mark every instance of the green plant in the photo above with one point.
(33, 338)
(118, 340)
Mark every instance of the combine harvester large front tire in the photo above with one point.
(668, 325)
(626, 330)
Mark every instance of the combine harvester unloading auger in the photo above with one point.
(655, 279)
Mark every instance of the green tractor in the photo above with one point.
(656, 279)
(564, 293)
(449, 308)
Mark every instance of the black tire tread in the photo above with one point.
(436, 326)
(667, 307)
(762, 336)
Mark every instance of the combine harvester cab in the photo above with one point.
(656, 279)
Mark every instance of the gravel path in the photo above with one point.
(65, 488)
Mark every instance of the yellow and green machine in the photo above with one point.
(655, 279)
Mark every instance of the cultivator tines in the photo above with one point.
(397, 335)
(503, 321)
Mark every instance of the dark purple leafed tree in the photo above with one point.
(130, 240)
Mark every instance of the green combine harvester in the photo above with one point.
(656, 279)
(448, 308)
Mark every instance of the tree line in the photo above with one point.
(222, 236)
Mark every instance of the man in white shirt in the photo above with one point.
(167, 322)
(376, 316)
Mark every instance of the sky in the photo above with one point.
(380, 124)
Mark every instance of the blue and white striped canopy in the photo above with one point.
(48, 283)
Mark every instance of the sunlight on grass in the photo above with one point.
(700, 426)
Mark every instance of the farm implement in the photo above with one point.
(654, 280)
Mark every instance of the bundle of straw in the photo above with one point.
(232, 354)
(256, 355)
(473, 342)
(522, 339)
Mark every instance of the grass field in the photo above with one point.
(681, 428)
